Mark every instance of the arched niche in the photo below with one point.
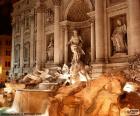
(50, 48)
(17, 55)
(79, 9)
(77, 18)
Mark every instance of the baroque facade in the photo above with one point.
(110, 30)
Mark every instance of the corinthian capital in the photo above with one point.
(40, 6)
(57, 2)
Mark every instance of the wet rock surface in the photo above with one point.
(75, 92)
(97, 98)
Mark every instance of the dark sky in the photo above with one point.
(5, 17)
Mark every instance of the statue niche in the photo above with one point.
(118, 37)
(50, 49)
(17, 55)
(26, 53)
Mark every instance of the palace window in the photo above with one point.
(8, 53)
(8, 43)
(7, 63)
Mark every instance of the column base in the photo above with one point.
(50, 64)
(100, 60)
(98, 69)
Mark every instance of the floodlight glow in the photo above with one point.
(11, 110)
(130, 87)
(0, 69)
(8, 90)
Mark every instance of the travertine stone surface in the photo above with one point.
(101, 12)
(134, 26)
(95, 98)
(99, 29)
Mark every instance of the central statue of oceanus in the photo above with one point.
(76, 47)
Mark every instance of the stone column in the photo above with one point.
(56, 31)
(12, 52)
(40, 35)
(21, 45)
(92, 42)
(66, 45)
(134, 27)
(99, 24)
(32, 40)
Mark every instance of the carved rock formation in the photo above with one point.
(95, 98)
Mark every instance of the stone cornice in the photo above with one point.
(91, 14)
(75, 24)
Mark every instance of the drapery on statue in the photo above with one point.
(50, 49)
(118, 38)
(76, 47)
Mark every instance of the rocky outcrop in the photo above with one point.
(95, 98)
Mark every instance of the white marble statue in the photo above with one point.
(51, 49)
(118, 38)
(76, 47)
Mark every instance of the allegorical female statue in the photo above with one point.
(51, 49)
(118, 38)
(76, 47)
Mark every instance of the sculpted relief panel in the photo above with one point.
(118, 35)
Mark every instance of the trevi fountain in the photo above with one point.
(74, 58)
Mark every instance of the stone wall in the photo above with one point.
(35, 20)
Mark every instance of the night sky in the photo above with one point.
(5, 17)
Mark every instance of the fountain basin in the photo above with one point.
(31, 101)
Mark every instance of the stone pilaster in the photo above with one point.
(92, 42)
(12, 52)
(21, 44)
(134, 27)
(40, 36)
(57, 38)
(66, 45)
(32, 40)
(99, 24)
